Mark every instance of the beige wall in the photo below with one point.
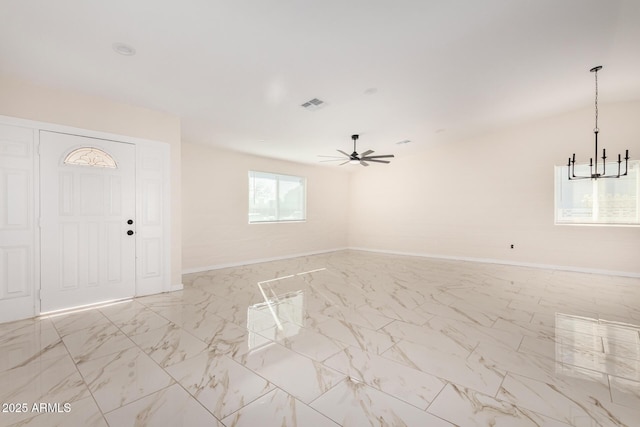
(215, 207)
(467, 199)
(475, 198)
(22, 99)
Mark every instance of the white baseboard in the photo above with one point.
(177, 287)
(421, 255)
(258, 261)
(505, 262)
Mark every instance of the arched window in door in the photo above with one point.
(90, 156)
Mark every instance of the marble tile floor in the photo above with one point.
(342, 339)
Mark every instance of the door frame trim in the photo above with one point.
(144, 285)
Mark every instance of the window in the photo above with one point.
(601, 201)
(274, 197)
(90, 156)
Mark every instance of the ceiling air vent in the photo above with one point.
(313, 104)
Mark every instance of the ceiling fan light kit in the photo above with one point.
(593, 171)
(355, 158)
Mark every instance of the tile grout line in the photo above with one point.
(75, 364)
(107, 355)
(504, 377)
(163, 369)
(446, 383)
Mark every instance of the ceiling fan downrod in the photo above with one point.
(355, 138)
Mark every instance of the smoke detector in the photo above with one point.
(124, 49)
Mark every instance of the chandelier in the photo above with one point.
(594, 173)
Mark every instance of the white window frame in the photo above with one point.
(598, 204)
(276, 177)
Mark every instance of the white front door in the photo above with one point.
(87, 192)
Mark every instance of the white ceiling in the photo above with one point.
(236, 71)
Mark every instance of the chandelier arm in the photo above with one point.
(626, 170)
(571, 170)
(626, 163)
(572, 173)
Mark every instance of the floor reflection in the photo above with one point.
(281, 315)
(597, 345)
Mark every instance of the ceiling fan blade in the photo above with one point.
(333, 157)
(380, 157)
(354, 157)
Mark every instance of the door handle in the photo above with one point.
(130, 232)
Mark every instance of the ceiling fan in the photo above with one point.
(355, 158)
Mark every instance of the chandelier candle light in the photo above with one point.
(593, 171)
